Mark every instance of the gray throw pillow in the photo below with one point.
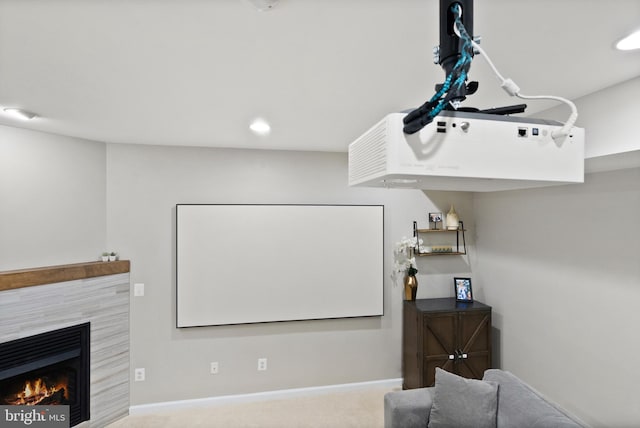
(461, 403)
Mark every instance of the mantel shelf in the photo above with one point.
(13, 279)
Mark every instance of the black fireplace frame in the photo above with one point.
(36, 352)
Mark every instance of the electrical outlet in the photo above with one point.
(139, 375)
(214, 367)
(262, 364)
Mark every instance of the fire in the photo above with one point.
(38, 392)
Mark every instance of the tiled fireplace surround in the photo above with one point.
(34, 301)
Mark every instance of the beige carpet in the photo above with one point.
(355, 409)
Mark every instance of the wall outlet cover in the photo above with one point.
(139, 375)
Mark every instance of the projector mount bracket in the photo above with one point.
(454, 54)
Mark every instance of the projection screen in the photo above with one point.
(238, 264)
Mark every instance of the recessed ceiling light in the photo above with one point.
(631, 42)
(260, 127)
(264, 5)
(19, 113)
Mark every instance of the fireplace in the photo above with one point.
(50, 369)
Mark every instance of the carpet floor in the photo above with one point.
(354, 409)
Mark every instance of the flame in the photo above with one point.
(37, 390)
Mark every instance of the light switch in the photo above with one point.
(138, 290)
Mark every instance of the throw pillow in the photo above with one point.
(461, 403)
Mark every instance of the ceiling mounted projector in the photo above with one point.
(465, 151)
(442, 146)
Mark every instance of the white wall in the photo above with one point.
(560, 267)
(145, 183)
(609, 117)
(52, 199)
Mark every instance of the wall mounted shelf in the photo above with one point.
(458, 250)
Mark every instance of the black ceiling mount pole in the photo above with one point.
(450, 44)
(454, 54)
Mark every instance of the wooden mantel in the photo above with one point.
(12, 279)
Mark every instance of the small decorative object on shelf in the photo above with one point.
(462, 288)
(105, 257)
(453, 221)
(435, 220)
(442, 249)
(113, 256)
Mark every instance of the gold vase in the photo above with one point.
(410, 287)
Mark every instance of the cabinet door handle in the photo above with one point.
(459, 355)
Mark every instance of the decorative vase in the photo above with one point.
(453, 221)
(410, 287)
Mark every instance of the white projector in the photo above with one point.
(463, 151)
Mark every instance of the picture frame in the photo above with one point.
(462, 289)
(434, 219)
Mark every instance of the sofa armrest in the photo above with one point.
(408, 409)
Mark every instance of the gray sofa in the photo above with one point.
(517, 405)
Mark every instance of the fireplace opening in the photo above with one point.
(48, 369)
(52, 386)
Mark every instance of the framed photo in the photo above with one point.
(434, 219)
(462, 288)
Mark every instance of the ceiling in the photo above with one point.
(195, 72)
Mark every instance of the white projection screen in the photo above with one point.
(239, 264)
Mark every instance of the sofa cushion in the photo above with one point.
(460, 402)
(522, 406)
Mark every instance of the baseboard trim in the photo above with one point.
(155, 408)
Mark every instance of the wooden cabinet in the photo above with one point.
(444, 333)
